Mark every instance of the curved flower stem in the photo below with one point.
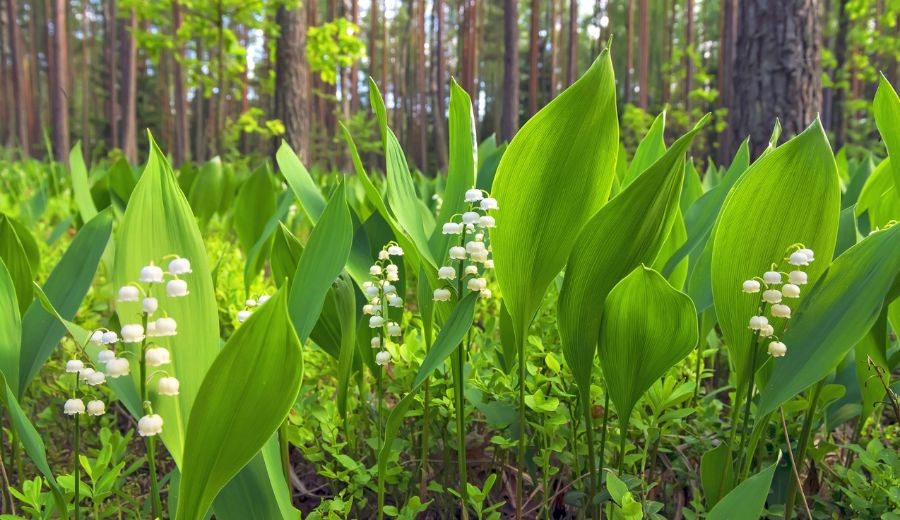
(76, 469)
(151, 440)
(801, 447)
(787, 441)
(458, 390)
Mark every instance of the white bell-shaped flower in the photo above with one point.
(151, 274)
(470, 217)
(164, 327)
(446, 273)
(393, 329)
(117, 367)
(389, 289)
(369, 309)
(96, 337)
(180, 266)
(132, 333)
(73, 407)
(451, 228)
(810, 255)
(777, 349)
(105, 355)
(479, 257)
(766, 330)
(790, 290)
(129, 293)
(96, 378)
(392, 270)
(471, 270)
(383, 358)
(489, 263)
(150, 425)
(485, 293)
(487, 221)
(779, 310)
(457, 253)
(772, 296)
(751, 286)
(757, 322)
(474, 195)
(476, 284)
(395, 251)
(73, 366)
(474, 246)
(176, 288)
(772, 277)
(376, 322)
(167, 386)
(110, 337)
(489, 204)
(264, 298)
(383, 255)
(250, 302)
(371, 291)
(149, 305)
(395, 301)
(96, 408)
(85, 373)
(798, 277)
(375, 270)
(243, 315)
(157, 356)
(441, 295)
(376, 342)
(798, 258)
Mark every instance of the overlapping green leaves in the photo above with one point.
(886, 109)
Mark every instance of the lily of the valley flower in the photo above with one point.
(176, 288)
(757, 322)
(151, 274)
(73, 407)
(167, 386)
(150, 425)
(751, 286)
(489, 204)
(129, 293)
(243, 316)
(446, 273)
(451, 228)
(105, 355)
(132, 333)
(180, 266)
(117, 367)
(772, 277)
(74, 366)
(96, 408)
(790, 290)
(157, 356)
(473, 195)
(777, 349)
(149, 305)
(457, 253)
(797, 277)
(441, 295)
(772, 296)
(781, 311)
(383, 358)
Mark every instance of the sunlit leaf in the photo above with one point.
(746, 501)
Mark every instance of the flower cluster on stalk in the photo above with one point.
(470, 257)
(381, 294)
(775, 293)
(154, 324)
(245, 313)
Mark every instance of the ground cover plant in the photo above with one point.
(601, 318)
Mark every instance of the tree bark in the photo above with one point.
(840, 75)
(373, 40)
(354, 69)
(112, 69)
(59, 82)
(18, 78)
(510, 118)
(440, 76)
(688, 62)
(725, 74)
(85, 83)
(779, 44)
(200, 138)
(629, 53)
(572, 72)
(533, 58)
(421, 94)
(665, 83)
(554, 49)
(129, 89)
(181, 150)
(292, 104)
(644, 56)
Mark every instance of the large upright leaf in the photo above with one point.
(10, 329)
(651, 148)
(647, 327)
(836, 313)
(12, 253)
(746, 501)
(301, 183)
(628, 231)
(207, 189)
(253, 208)
(65, 288)
(789, 195)
(321, 262)
(247, 394)
(886, 109)
(556, 173)
(879, 200)
(158, 222)
(80, 184)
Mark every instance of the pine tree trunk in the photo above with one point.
(18, 78)
(779, 76)
(728, 28)
(200, 139)
(129, 89)
(292, 104)
(533, 58)
(181, 150)
(354, 70)
(688, 43)
(510, 118)
(32, 95)
(112, 69)
(572, 72)
(440, 76)
(665, 71)
(421, 89)
(59, 84)
(554, 49)
(840, 93)
(85, 83)
(644, 56)
(629, 53)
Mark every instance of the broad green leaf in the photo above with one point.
(29, 244)
(487, 167)
(65, 288)
(716, 474)
(648, 326)
(746, 501)
(301, 183)
(321, 262)
(13, 254)
(121, 182)
(873, 348)
(556, 173)
(345, 300)
(834, 316)
(250, 388)
(441, 350)
(80, 184)
(158, 223)
(859, 178)
(261, 250)
(677, 237)
(628, 231)
(651, 148)
(253, 208)
(886, 109)
(286, 251)
(790, 195)
(206, 191)
(10, 329)
(879, 199)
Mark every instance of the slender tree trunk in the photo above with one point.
(421, 88)
(200, 138)
(181, 150)
(666, 68)
(533, 58)
(554, 48)
(840, 75)
(629, 52)
(32, 96)
(85, 83)
(688, 61)
(440, 76)
(112, 70)
(469, 41)
(385, 38)
(354, 70)
(222, 97)
(572, 73)
(18, 78)
(510, 119)
(780, 74)
(129, 89)
(165, 100)
(373, 40)
(644, 57)
(292, 103)
(726, 67)
(59, 84)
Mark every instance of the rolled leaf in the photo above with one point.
(746, 501)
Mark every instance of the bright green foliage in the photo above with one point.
(746, 501)
(565, 153)
(12, 253)
(332, 46)
(647, 328)
(651, 148)
(789, 195)
(886, 108)
(247, 394)
(836, 313)
(255, 203)
(10, 329)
